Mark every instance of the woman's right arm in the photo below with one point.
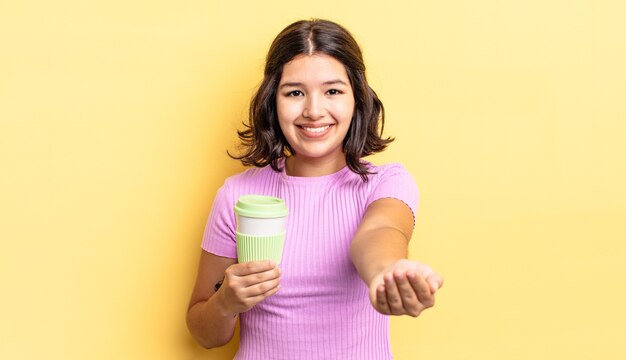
(212, 315)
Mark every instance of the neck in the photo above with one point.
(295, 166)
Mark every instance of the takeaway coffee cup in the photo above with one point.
(260, 228)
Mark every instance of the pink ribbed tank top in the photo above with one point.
(322, 310)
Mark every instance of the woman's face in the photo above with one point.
(315, 104)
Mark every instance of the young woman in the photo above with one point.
(344, 265)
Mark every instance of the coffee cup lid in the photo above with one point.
(260, 206)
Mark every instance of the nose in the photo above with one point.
(313, 108)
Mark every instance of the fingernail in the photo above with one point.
(434, 286)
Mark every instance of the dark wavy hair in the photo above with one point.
(262, 139)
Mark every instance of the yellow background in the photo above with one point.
(115, 117)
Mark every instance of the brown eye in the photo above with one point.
(333, 92)
(295, 93)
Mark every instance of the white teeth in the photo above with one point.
(316, 130)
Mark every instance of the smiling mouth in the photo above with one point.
(314, 130)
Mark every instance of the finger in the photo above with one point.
(262, 288)
(258, 298)
(381, 300)
(260, 277)
(252, 267)
(393, 295)
(409, 299)
(424, 270)
(422, 289)
(435, 281)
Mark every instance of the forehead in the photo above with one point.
(313, 68)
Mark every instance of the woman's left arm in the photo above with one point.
(397, 286)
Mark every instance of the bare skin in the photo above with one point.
(398, 286)
(315, 105)
(211, 316)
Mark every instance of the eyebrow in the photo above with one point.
(329, 82)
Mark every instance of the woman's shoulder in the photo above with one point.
(385, 170)
(250, 175)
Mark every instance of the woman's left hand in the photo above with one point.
(405, 287)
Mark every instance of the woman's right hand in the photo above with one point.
(247, 284)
